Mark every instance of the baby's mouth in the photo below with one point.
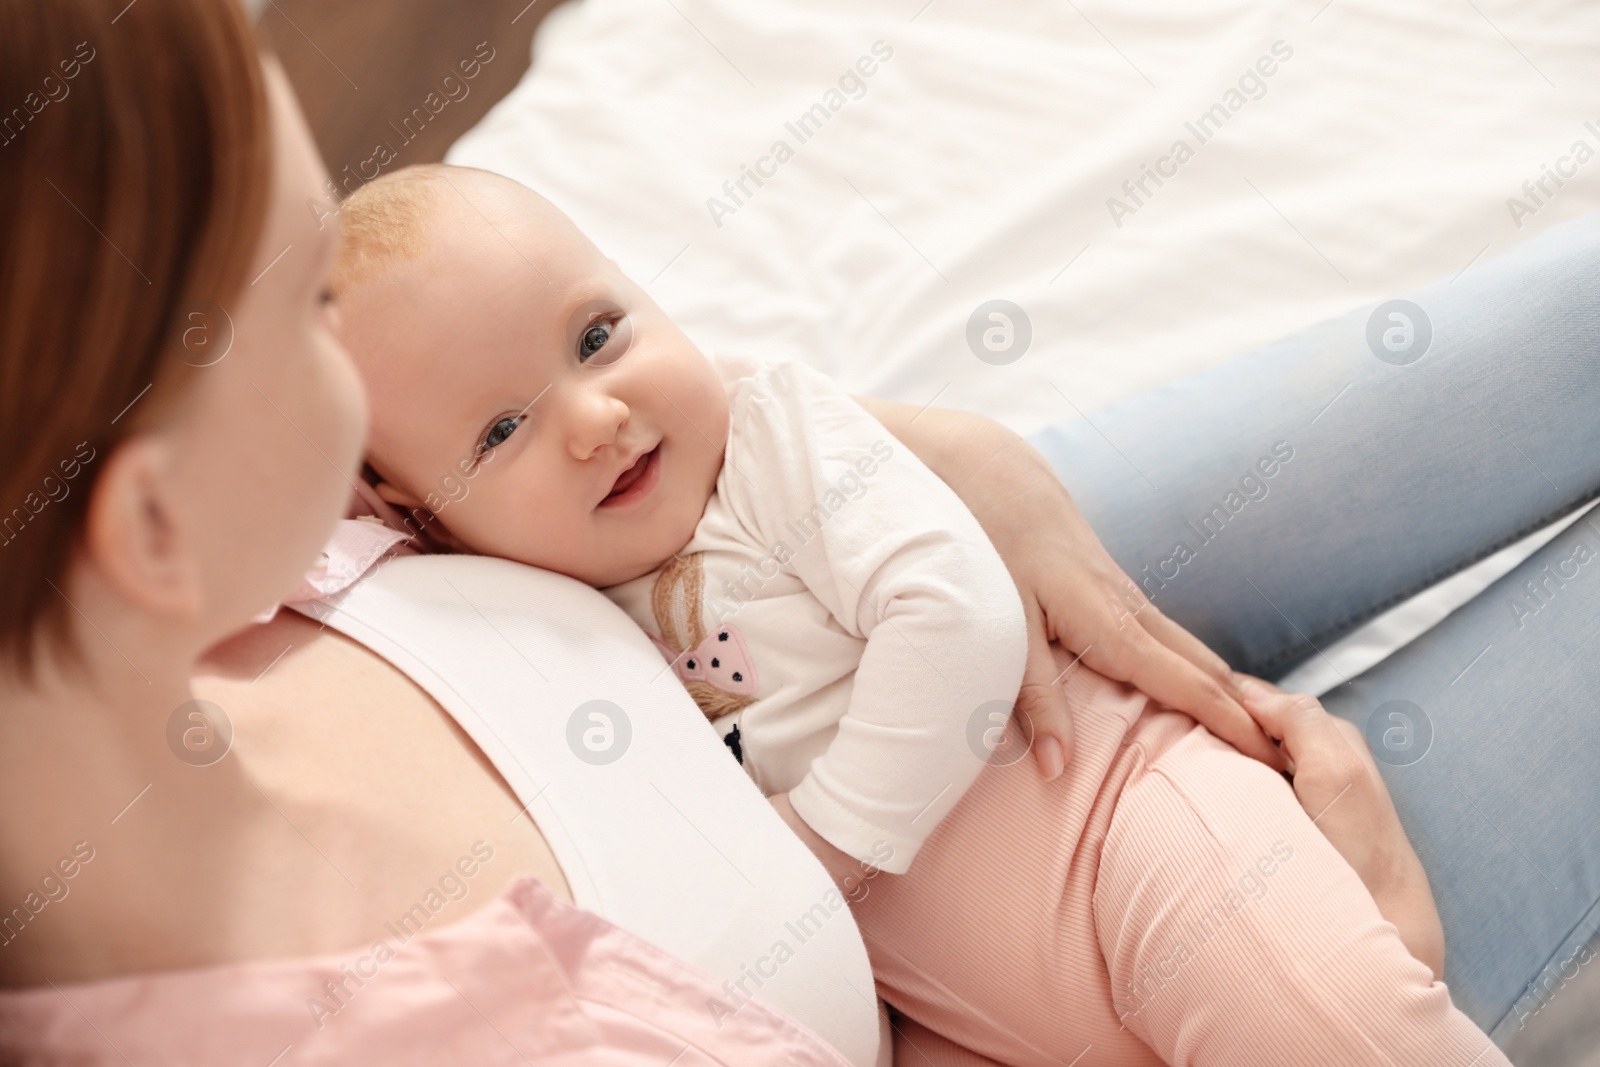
(631, 478)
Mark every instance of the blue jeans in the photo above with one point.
(1279, 501)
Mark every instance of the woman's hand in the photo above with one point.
(1337, 782)
(1072, 590)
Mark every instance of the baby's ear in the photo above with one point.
(401, 499)
(435, 533)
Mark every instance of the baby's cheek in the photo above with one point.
(545, 530)
(706, 406)
(454, 488)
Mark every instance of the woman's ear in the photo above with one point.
(135, 538)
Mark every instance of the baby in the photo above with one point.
(845, 625)
(726, 513)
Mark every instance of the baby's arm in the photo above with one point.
(896, 559)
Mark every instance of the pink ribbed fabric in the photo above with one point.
(1165, 901)
(525, 981)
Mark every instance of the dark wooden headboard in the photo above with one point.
(365, 69)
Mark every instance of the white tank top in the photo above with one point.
(651, 819)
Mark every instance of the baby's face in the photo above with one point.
(531, 396)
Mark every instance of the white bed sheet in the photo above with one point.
(977, 162)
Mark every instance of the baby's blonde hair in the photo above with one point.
(385, 222)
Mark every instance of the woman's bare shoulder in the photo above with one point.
(330, 725)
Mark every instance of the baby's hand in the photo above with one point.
(1337, 782)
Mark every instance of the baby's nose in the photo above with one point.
(596, 418)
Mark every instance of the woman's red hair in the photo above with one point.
(135, 170)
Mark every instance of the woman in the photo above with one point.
(158, 178)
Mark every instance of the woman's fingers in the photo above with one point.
(1128, 639)
(1337, 783)
(1357, 741)
(1043, 702)
(1297, 720)
(1328, 760)
(1185, 644)
(1159, 672)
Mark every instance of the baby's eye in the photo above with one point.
(593, 340)
(499, 432)
(604, 341)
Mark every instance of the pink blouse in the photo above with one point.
(526, 980)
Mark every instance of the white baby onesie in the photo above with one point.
(839, 614)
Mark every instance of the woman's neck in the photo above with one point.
(105, 805)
